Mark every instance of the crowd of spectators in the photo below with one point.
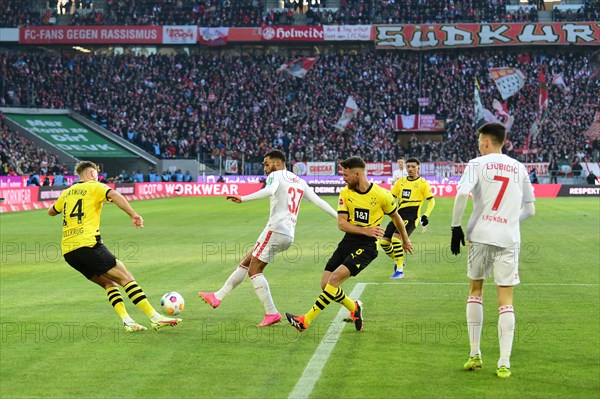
(589, 12)
(214, 13)
(208, 107)
(20, 13)
(413, 12)
(19, 156)
(255, 13)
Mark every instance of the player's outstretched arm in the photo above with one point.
(124, 205)
(235, 198)
(311, 196)
(265, 192)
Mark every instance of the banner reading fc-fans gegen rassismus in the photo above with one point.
(430, 36)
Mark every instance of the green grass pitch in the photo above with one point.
(61, 339)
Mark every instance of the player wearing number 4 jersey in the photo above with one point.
(286, 191)
(82, 247)
(502, 198)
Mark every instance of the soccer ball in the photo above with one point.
(172, 303)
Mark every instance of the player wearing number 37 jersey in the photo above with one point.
(286, 191)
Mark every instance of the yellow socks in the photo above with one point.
(137, 296)
(330, 293)
(398, 251)
(394, 250)
(116, 300)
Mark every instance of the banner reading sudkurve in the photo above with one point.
(70, 136)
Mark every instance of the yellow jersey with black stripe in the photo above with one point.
(411, 193)
(366, 209)
(81, 206)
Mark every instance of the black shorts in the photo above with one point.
(93, 261)
(355, 255)
(409, 224)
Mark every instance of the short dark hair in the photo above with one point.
(495, 130)
(276, 154)
(83, 165)
(353, 162)
(413, 159)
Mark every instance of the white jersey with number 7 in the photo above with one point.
(286, 191)
(499, 185)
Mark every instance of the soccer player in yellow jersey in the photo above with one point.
(82, 247)
(411, 192)
(361, 208)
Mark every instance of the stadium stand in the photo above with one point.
(204, 106)
(19, 156)
(256, 13)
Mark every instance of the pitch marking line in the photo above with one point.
(313, 369)
(404, 282)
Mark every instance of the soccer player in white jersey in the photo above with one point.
(400, 172)
(285, 191)
(502, 198)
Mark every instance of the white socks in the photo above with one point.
(261, 287)
(506, 328)
(506, 333)
(235, 279)
(474, 323)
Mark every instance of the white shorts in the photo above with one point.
(270, 244)
(505, 262)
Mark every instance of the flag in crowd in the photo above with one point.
(231, 166)
(213, 36)
(508, 80)
(500, 108)
(478, 119)
(500, 115)
(543, 97)
(593, 132)
(298, 67)
(534, 130)
(349, 111)
(560, 82)
(484, 115)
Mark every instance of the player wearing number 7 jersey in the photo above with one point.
(502, 198)
(286, 191)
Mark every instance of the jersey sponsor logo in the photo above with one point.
(341, 202)
(361, 215)
(406, 193)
